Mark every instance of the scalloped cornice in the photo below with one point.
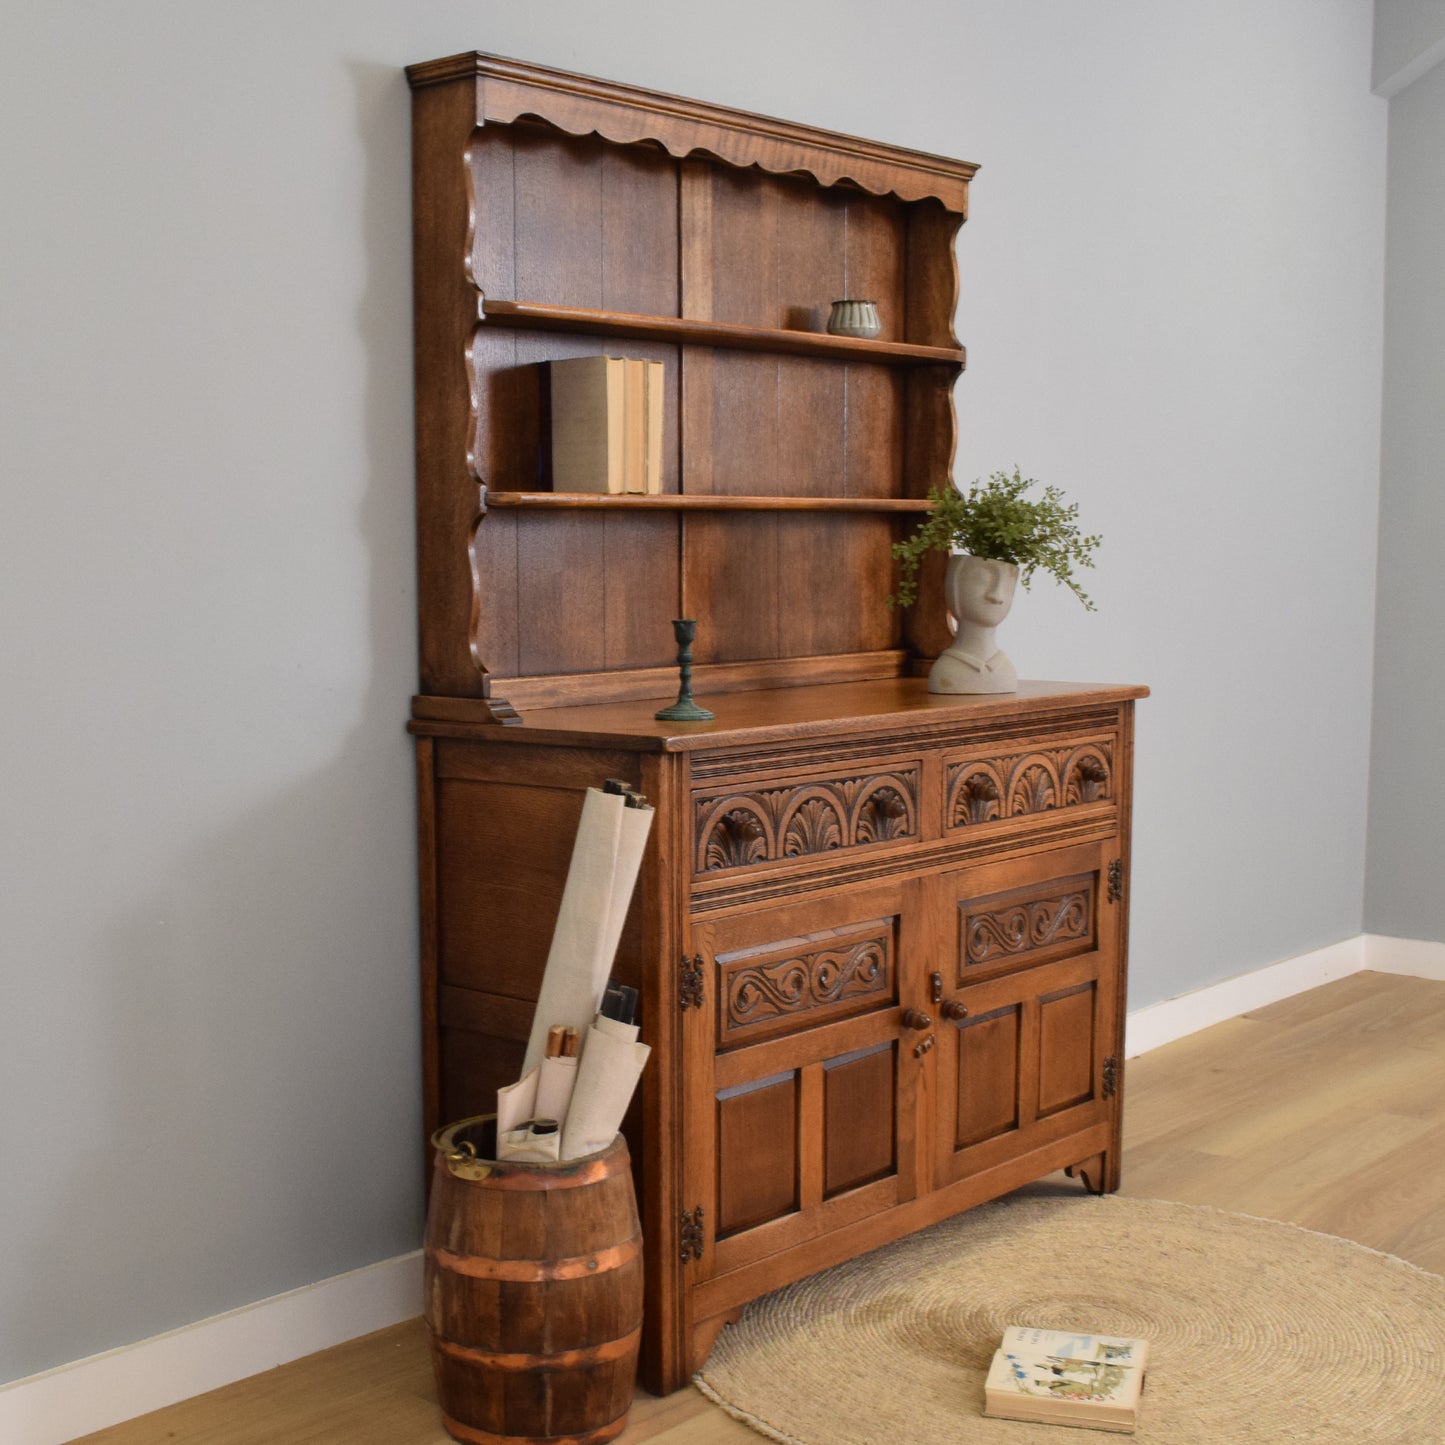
(508, 90)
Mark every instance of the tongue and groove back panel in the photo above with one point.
(701, 215)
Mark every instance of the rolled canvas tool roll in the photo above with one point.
(606, 1079)
(607, 853)
(537, 1141)
(516, 1103)
(555, 1078)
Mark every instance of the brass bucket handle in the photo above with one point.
(462, 1162)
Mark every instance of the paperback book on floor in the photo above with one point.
(1059, 1377)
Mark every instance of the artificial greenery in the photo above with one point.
(994, 519)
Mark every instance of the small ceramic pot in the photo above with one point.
(854, 318)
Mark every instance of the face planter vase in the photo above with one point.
(978, 592)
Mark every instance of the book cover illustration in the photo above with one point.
(1064, 1377)
(1062, 1366)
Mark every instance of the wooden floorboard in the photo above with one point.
(1327, 1110)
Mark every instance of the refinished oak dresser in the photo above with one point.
(879, 935)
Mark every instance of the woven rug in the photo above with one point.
(1258, 1331)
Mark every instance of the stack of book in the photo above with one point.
(1057, 1377)
(606, 424)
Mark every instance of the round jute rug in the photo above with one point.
(1258, 1331)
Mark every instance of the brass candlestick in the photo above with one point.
(684, 709)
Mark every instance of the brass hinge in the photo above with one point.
(1116, 880)
(691, 1234)
(689, 988)
(1111, 1076)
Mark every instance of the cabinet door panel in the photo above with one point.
(1067, 1046)
(795, 1108)
(1030, 961)
(757, 1152)
(859, 1107)
(988, 1061)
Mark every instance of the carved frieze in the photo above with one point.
(1016, 929)
(801, 982)
(987, 789)
(762, 825)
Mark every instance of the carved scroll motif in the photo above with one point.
(984, 790)
(827, 979)
(1022, 928)
(761, 826)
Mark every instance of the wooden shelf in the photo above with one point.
(534, 316)
(696, 502)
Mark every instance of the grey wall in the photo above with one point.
(1404, 897)
(1409, 39)
(1171, 295)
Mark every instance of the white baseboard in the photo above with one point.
(90, 1394)
(1413, 956)
(1175, 1018)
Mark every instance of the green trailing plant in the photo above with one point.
(994, 519)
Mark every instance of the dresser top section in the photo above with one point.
(774, 715)
(512, 90)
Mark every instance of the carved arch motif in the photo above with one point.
(1033, 786)
(884, 811)
(1087, 776)
(737, 837)
(977, 796)
(812, 824)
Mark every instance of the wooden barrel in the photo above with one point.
(533, 1291)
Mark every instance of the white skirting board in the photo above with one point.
(1175, 1018)
(1411, 956)
(90, 1394)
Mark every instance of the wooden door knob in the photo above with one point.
(914, 1018)
(953, 1010)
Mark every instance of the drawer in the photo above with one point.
(770, 820)
(989, 785)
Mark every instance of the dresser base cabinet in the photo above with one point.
(880, 942)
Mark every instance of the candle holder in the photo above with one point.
(684, 709)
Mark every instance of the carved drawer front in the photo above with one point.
(761, 823)
(990, 786)
(798, 983)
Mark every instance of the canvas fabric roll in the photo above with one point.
(555, 1078)
(616, 1028)
(528, 1145)
(517, 1103)
(605, 859)
(606, 1079)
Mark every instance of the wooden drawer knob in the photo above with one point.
(916, 1019)
(953, 1010)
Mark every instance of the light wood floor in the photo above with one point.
(1327, 1110)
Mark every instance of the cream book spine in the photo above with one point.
(634, 426)
(588, 404)
(655, 390)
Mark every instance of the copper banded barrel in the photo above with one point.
(533, 1291)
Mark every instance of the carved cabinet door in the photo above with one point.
(800, 1104)
(1026, 986)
